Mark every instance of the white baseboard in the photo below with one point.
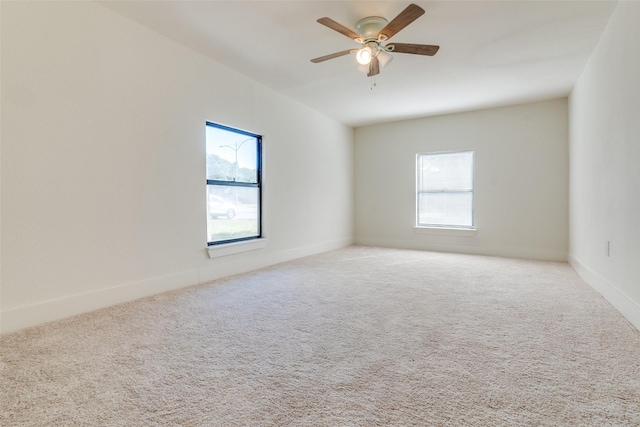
(35, 314)
(502, 251)
(625, 305)
(228, 266)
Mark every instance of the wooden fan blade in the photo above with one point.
(328, 22)
(332, 55)
(417, 49)
(374, 67)
(406, 17)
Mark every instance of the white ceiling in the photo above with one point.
(492, 53)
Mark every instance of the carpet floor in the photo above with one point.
(359, 336)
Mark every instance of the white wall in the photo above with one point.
(521, 180)
(605, 164)
(103, 163)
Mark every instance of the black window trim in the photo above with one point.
(257, 184)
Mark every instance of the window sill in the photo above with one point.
(236, 248)
(443, 231)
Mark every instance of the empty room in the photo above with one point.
(320, 213)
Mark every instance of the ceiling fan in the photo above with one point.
(372, 33)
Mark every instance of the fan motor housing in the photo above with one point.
(370, 26)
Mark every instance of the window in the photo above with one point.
(234, 199)
(445, 190)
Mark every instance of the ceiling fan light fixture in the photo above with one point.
(384, 58)
(372, 34)
(363, 68)
(364, 55)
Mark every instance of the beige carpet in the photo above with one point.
(355, 337)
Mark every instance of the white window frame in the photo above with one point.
(444, 229)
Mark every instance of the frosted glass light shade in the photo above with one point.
(384, 58)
